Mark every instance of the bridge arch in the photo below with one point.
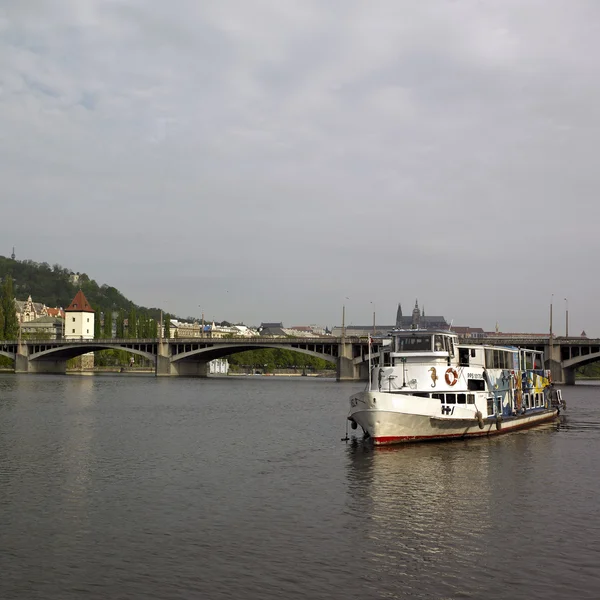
(10, 355)
(67, 352)
(580, 361)
(212, 352)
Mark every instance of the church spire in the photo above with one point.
(399, 316)
(416, 316)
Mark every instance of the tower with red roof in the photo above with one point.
(79, 319)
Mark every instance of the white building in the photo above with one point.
(79, 319)
(218, 366)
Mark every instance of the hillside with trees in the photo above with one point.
(56, 286)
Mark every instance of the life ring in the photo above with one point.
(451, 376)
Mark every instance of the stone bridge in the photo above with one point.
(185, 357)
(190, 357)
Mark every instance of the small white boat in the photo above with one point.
(424, 385)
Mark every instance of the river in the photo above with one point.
(123, 486)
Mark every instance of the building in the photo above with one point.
(43, 328)
(79, 319)
(28, 310)
(271, 330)
(418, 319)
(218, 366)
(468, 332)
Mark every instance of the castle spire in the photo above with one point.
(399, 316)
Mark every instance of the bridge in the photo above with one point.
(186, 357)
(190, 357)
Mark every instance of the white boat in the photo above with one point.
(424, 385)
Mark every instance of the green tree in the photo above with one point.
(97, 325)
(108, 324)
(1, 322)
(132, 323)
(9, 310)
(153, 329)
(167, 325)
(121, 324)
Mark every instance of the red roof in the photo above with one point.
(79, 304)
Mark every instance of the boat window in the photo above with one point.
(499, 359)
(387, 360)
(526, 400)
(439, 343)
(499, 405)
(528, 361)
(438, 397)
(470, 398)
(477, 385)
(463, 357)
(490, 406)
(461, 398)
(473, 353)
(413, 343)
(537, 361)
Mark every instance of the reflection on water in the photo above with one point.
(470, 519)
(427, 509)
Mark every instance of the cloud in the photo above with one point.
(383, 151)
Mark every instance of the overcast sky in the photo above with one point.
(271, 160)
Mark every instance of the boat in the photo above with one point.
(425, 385)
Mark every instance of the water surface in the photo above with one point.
(136, 487)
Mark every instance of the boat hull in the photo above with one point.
(410, 419)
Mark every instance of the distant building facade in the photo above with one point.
(28, 310)
(418, 319)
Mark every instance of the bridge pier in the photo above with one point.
(569, 378)
(21, 363)
(163, 366)
(24, 365)
(347, 369)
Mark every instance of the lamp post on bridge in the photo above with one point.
(202, 326)
(566, 317)
(373, 303)
(344, 319)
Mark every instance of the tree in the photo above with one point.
(97, 325)
(121, 324)
(1, 322)
(132, 323)
(167, 325)
(153, 329)
(9, 310)
(108, 324)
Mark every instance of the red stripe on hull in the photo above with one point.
(505, 428)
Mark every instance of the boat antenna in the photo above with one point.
(450, 326)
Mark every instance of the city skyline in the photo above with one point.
(282, 160)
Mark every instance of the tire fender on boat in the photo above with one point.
(451, 376)
(498, 422)
(479, 418)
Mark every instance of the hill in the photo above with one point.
(55, 286)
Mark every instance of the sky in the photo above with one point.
(276, 160)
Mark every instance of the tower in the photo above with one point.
(399, 317)
(416, 316)
(13, 254)
(79, 319)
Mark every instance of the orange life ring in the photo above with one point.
(451, 376)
